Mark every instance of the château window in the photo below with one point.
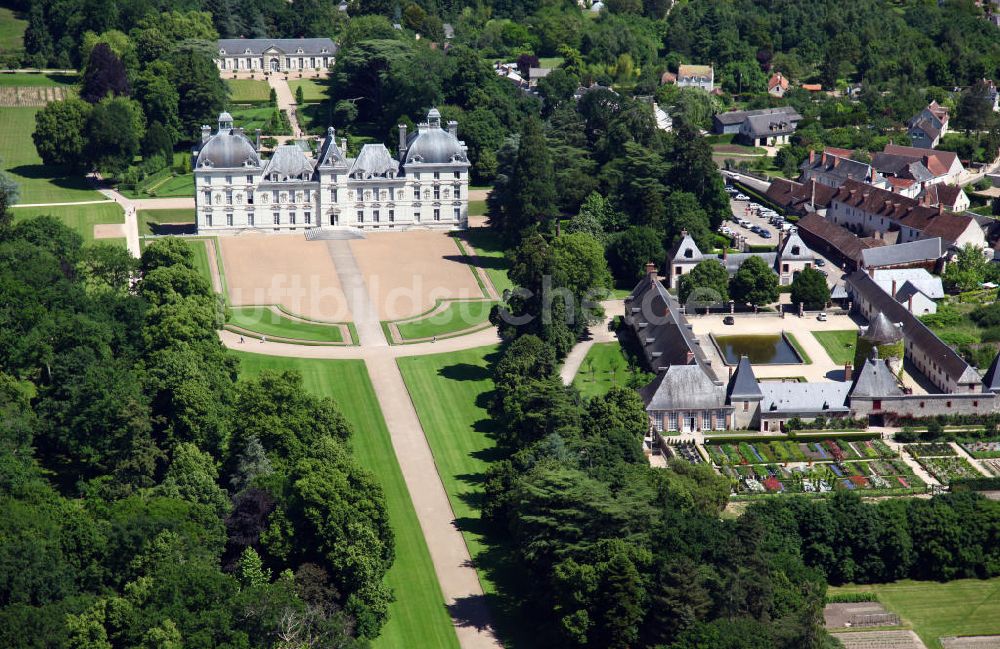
(277, 218)
(437, 192)
(309, 218)
(229, 219)
(458, 174)
(392, 215)
(229, 198)
(250, 218)
(291, 218)
(437, 214)
(375, 216)
(208, 219)
(458, 213)
(361, 216)
(249, 180)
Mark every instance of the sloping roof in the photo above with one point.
(875, 380)
(330, 154)
(903, 211)
(683, 387)
(929, 285)
(686, 250)
(812, 87)
(811, 399)
(914, 252)
(733, 261)
(914, 331)
(777, 124)
(228, 149)
(941, 194)
(901, 166)
(732, 117)
(798, 197)
(992, 377)
(909, 290)
(848, 244)
(881, 331)
(289, 162)
(794, 249)
(937, 162)
(926, 127)
(838, 166)
(374, 160)
(694, 70)
(743, 386)
(777, 79)
(257, 46)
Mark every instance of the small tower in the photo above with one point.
(434, 118)
(884, 339)
(225, 121)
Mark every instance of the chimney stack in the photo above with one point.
(206, 132)
(402, 141)
(848, 371)
(812, 156)
(257, 139)
(689, 357)
(909, 304)
(453, 128)
(343, 145)
(893, 288)
(651, 270)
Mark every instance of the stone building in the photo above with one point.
(275, 54)
(237, 189)
(791, 258)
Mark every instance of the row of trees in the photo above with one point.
(621, 554)
(151, 497)
(139, 93)
(754, 283)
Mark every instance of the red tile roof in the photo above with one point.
(777, 79)
(937, 162)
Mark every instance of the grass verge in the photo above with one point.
(164, 221)
(603, 367)
(248, 91)
(490, 250)
(839, 345)
(81, 218)
(450, 393)
(265, 321)
(798, 348)
(456, 316)
(962, 607)
(312, 91)
(418, 616)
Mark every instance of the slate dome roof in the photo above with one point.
(435, 146)
(228, 149)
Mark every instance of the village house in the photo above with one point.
(951, 197)
(866, 209)
(791, 258)
(696, 76)
(777, 85)
(275, 54)
(797, 198)
(836, 242)
(764, 127)
(832, 168)
(911, 170)
(927, 127)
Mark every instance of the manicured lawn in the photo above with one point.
(550, 61)
(603, 367)
(418, 617)
(264, 321)
(798, 348)
(838, 344)
(81, 218)
(477, 208)
(200, 251)
(456, 317)
(490, 250)
(162, 221)
(12, 26)
(312, 91)
(248, 90)
(29, 80)
(449, 393)
(181, 186)
(955, 608)
(253, 118)
(39, 183)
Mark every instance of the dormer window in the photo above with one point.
(795, 250)
(299, 51)
(246, 51)
(222, 51)
(688, 254)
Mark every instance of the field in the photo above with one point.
(449, 393)
(312, 91)
(455, 316)
(39, 184)
(935, 610)
(253, 118)
(32, 80)
(490, 250)
(264, 320)
(838, 344)
(419, 610)
(248, 91)
(604, 366)
(164, 221)
(12, 26)
(81, 218)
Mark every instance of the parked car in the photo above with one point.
(822, 316)
(821, 262)
(744, 223)
(729, 320)
(765, 234)
(742, 197)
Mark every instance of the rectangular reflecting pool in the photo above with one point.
(762, 349)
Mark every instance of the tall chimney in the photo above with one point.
(812, 156)
(651, 270)
(257, 139)
(909, 304)
(343, 145)
(689, 357)
(453, 128)
(402, 141)
(206, 132)
(893, 288)
(848, 371)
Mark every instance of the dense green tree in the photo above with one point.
(104, 75)
(558, 86)
(707, 283)
(61, 133)
(809, 288)
(201, 93)
(756, 283)
(115, 129)
(967, 271)
(629, 251)
(531, 194)
(10, 193)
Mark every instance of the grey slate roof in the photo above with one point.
(929, 285)
(840, 167)
(901, 166)
(743, 386)
(992, 377)
(732, 117)
(772, 124)
(908, 290)
(228, 149)
(794, 249)
(881, 331)
(903, 253)
(434, 145)
(733, 261)
(875, 380)
(290, 163)
(915, 332)
(686, 250)
(792, 399)
(683, 387)
(330, 154)
(257, 46)
(374, 160)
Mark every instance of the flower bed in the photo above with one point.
(934, 449)
(946, 469)
(862, 475)
(982, 449)
(782, 451)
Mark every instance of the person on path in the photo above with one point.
(241, 340)
(434, 339)
(263, 339)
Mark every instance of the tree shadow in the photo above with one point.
(471, 611)
(486, 263)
(464, 372)
(59, 176)
(173, 228)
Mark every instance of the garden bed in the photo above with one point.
(946, 469)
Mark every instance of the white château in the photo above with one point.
(236, 189)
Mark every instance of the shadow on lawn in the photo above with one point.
(465, 372)
(172, 228)
(59, 176)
